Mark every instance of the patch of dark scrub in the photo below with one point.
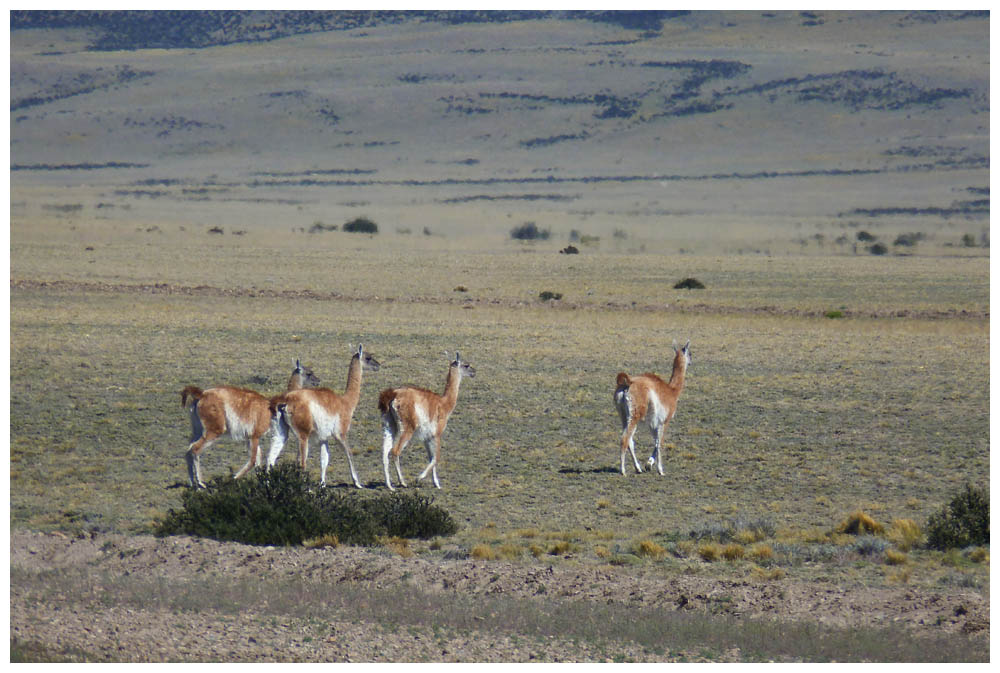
(552, 140)
(979, 207)
(511, 197)
(80, 84)
(317, 171)
(75, 167)
(856, 89)
(924, 151)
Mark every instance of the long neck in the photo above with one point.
(295, 382)
(680, 367)
(352, 393)
(450, 398)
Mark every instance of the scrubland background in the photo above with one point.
(179, 185)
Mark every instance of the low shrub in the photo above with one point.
(281, 506)
(909, 239)
(878, 249)
(529, 231)
(689, 284)
(963, 522)
(361, 225)
(546, 295)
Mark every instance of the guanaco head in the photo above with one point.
(368, 362)
(684, 353)
(305, 376)
(463, 368)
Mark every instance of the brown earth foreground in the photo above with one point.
(110, 597)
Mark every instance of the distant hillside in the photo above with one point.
(193, 29)
(590, 121)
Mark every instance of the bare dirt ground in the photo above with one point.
(82, 621)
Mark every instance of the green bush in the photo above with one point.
(281, 506)
(689, 284)
(964, 522)
(529, 231)
(361, 225)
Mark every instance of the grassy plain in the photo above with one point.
(789, 417)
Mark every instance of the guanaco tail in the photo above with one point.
(410, 412)
(651, 399)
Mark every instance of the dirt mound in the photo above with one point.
(124, 631)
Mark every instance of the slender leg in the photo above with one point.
(401, 442)
(278, 440)
(432, 465)
(654, 458)
(387, 444)
(628, 444)
(254, 445)
(193, 457)
(350, 462)
(324, 461)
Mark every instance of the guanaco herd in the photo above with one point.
(408, 412)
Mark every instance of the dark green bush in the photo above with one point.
(361, 225)
(878, 249)
(689, 284)
(281, 506)
(529, 231)
(964, 522)
(547, 295)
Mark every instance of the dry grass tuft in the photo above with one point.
(648, 549)
(905, 534)
(768, 573)
(510, 551)
(761, 552)
(329, 540)
(733, 552)
(709, 551)
(980, 555)
(894, 557)
(399, 546)
(483, 552)
(860, 523)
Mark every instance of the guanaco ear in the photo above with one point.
(675, 345)
(687, 345)
(298, 367)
